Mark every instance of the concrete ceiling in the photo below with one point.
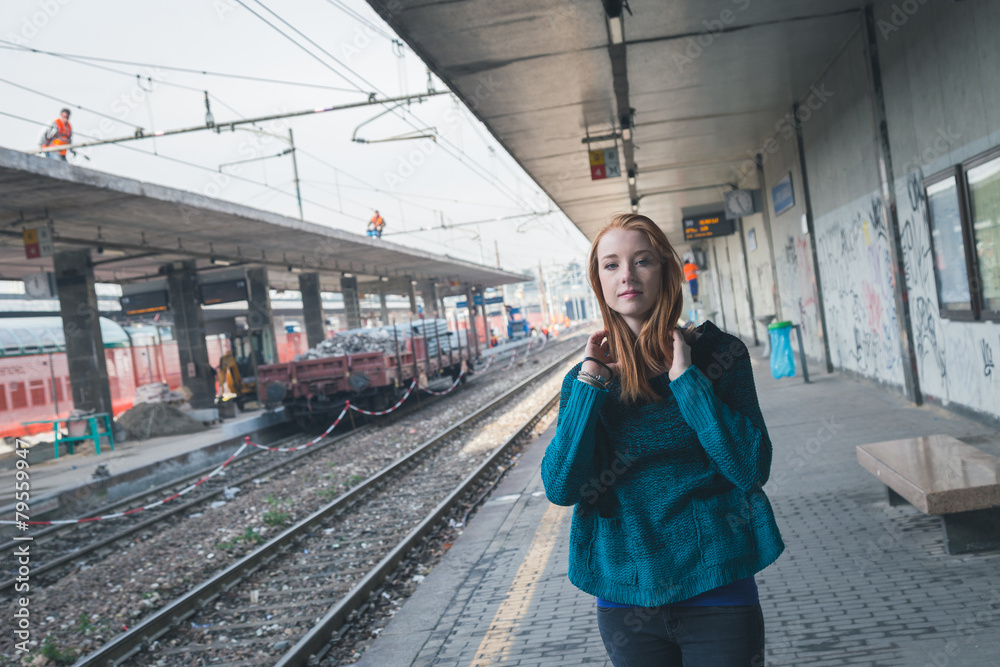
(141, 227)
(708, 79)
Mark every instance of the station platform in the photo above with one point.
(860, 582)
(134, 465)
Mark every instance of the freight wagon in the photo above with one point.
(314, 391)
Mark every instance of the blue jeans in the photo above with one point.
(728, 636)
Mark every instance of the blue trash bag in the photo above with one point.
(782, 356)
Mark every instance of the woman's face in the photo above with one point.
(629, 269)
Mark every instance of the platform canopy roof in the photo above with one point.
(141, 227)
(705, 83)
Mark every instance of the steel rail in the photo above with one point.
(337, 616)
(194, 502)
(161, 621)
(136, 497)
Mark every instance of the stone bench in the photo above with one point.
(940, 475)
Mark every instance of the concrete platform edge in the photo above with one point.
(412, 627)
(126, 483)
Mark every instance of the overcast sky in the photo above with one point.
(464, 176)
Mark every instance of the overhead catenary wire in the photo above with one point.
(4, 44)
(445, 142)
(68, 104)
(231, 124)
(195, 165)
(361, 19)
(80, 60)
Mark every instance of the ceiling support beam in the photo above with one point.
(619, 72)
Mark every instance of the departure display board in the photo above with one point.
(144, 302)
(706, 226)
(223, 292)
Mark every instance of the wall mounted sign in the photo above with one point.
(706, 226)
(604, 164)
(782, 195)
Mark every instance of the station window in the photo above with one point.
(29, 343)
(18, 396)
(9, 343)
(3, 398)
(37, 392)
(56, 387)
(963, 209)
(984, 209)
(944, 209)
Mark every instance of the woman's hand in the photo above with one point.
(682, 356)
(597, 347)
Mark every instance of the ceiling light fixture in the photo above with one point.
(615, 29)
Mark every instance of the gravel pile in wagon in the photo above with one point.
(380, 339)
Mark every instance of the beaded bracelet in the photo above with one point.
(595, 378)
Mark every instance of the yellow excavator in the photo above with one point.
(237, 370)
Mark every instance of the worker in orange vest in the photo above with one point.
(58, 134)
(375, 225)
(691, 276)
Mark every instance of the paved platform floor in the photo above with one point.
(860, 582)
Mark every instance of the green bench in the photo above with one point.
(92, 432)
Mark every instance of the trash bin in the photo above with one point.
(782, 356)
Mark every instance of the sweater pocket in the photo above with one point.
(609, 555)
(723, 527)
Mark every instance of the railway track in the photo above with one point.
(250, 612)
(65, 546)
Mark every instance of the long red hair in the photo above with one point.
(652, 351)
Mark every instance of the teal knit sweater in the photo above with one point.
(668, 494)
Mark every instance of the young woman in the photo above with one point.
(661, 446)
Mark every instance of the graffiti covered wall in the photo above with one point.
(853, 248)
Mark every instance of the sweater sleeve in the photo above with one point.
(732, 432)
(570, 460)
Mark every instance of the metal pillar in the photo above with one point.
(382, 304)
(765, 211)
(352, 305)
(88, 371)
(260, 320)
(189, 331)
(746, 274)
(428, 290)
(883, 154)
(312, 308)
(810, 226)
(473, 337)
(412, 292)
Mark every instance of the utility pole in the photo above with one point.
(496, 246)
(544, 295)
(295, 168)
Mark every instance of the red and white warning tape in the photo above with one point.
(488, 362)
(448, 390)
(247, 442)
(136, 510)
(511, 364)
(308, 444)
(384, 412)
